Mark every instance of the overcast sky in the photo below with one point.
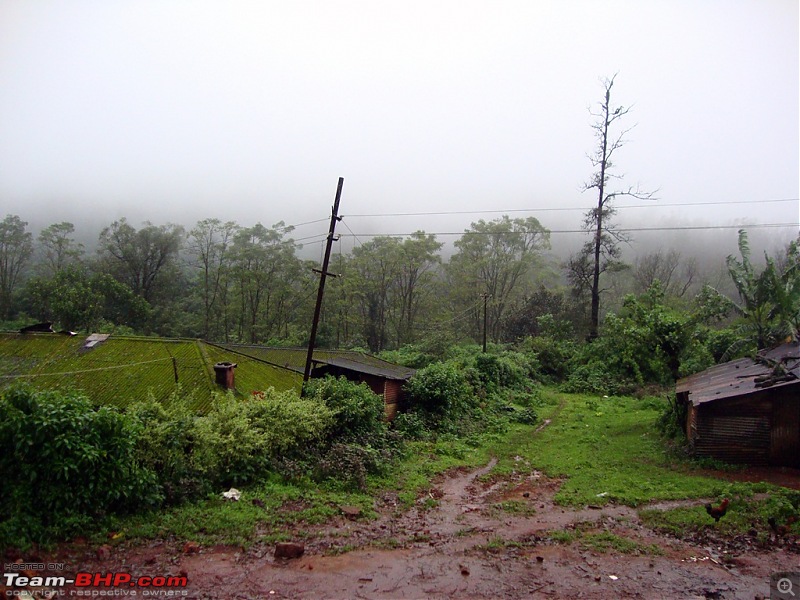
(250, 111)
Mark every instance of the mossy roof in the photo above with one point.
(123, 370)
(295, 359)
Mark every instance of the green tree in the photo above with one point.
(786, 283)
(370, 277)
(413, 283)
(16, 247)
(496, 258)
(757, 303)
(145, 259)
(79, 301)
(58, 248)
(210, 247)
(391, 282)
(265, 268)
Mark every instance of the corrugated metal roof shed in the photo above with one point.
(744, 376)
(387, 370)
(294, 359)
(746, 410)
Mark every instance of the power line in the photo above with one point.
(360, 243)
(621, 230)
(571, 208)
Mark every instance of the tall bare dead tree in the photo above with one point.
(603, 248)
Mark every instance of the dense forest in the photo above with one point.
(226, 282)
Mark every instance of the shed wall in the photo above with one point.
(785, 433)
(735, 431)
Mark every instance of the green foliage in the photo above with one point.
(554, 355)
(164, 445)
(672, 420)
(409, 355)
(594, 378)
(16, 248)
(646, 343)
(238, 440)
(358, 441)
(608, 450)
(358, 413)
(411, 425)
(64, 462)
(527, 415)
(504, 371)
(769, 301)
(76, 300)
(439, 390)
(496, 258)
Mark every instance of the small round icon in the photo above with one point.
(785, 586)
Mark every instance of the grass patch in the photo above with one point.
(745, 515)
(514, 507)
(219, 521)
(606, 541)
(608, 450)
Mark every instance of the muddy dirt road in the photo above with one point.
(460, 542)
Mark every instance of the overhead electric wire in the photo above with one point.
(360, 243)
(620, 229)
(570, 208)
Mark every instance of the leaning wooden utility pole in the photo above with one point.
(323, 274)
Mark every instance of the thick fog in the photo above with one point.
(250, 111)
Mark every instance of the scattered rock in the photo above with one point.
(191, 548)
(104, 553)
(289, 550)
(351, 512)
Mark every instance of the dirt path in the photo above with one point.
(471, 536)
(458, 543)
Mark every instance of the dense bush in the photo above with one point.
(595, 378)
(358, 441)
(239, 440)
(357, 412)
(64, 462)
(166, 436)
(672, 420)
(507, 370)
(439, 389)
(554, 356)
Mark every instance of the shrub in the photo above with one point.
(503, 371)
(63, 463)
(553, 355)
(527, 415)
(672, 420)
(239, 439)
(438, 390)
(358, 413)
(594, 378)
(350, 463)
(164, 445)
(411, 426)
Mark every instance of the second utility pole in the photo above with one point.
(323, 274)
